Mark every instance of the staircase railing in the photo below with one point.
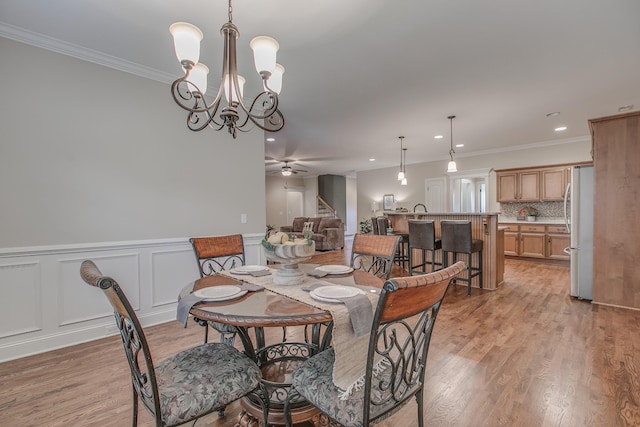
(325, 209)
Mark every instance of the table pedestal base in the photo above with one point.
(251, 415)
(288, 274)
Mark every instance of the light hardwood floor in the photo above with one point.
(524, 355)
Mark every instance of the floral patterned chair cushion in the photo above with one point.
(202, 379)
(313, 379)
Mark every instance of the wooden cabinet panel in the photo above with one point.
(557, 229)
(532, 245)
(511, 240)
(554, 184)
(532, 228)
(556, 243)
(616, 246)
(507, 187)
(529, 186)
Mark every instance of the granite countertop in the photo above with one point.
(539, 220)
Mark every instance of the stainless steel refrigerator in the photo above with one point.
(578, 212)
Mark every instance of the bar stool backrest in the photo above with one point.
(456, 236)
(383, 224)
(422, 234)
(374, 225)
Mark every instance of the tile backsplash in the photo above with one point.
(546, 209)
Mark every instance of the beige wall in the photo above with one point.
(276, 202)
(373, 184)
(91, 154)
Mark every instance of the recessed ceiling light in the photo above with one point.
(438, 137)
(270, 139)
(553, 114)
(625, 108)
(459, 145)
(372, 160)
(560, 129)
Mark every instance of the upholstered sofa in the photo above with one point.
(328, 233)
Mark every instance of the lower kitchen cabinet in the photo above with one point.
(557, 240)
(535, 241)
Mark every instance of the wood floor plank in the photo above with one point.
(527, 354)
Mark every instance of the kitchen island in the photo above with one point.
(484, 226)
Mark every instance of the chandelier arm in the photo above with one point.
(193, 120)
(183, 96)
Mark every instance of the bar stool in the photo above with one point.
(422, 237)
(401, 257)
(456, 238)
(383, 224)
(374, 225)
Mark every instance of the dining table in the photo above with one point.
(325, 323)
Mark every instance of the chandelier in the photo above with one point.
(188, 91)
(451, 167)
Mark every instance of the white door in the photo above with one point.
(295, 204)
(435, 194)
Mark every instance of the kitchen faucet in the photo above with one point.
(420, 204)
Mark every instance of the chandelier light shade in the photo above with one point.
(188, 91)
(401, 173)
(451, 167)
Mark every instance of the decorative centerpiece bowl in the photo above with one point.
(289, 254)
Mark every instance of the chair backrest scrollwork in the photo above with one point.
(218, 253)
(399, 342)
(374, 253)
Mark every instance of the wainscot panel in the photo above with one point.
(45, 305)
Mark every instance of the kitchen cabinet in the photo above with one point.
(557, 240)
(532, 241)
(540, 184)
(616, 230)
(518, 186)
(535, 241)
(554, 183)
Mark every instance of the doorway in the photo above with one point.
(295, 204)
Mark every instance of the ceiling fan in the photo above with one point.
(288, 170)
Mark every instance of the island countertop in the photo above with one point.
(484, 226)
(442, 213)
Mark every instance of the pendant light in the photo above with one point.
(451, 167)
(401, 173)
(404, 165)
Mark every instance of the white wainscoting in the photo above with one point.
(45, 305)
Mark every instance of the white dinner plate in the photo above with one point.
(334, 293)
(335, 269)
(219, 293)
(247, 269)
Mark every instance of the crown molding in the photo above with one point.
(55, 45)
(541, 144)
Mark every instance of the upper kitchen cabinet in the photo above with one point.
(539, 184)
(518, 185)
(554, 183)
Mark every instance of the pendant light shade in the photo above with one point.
(451, 167)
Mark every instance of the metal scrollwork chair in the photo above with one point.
(215, 254)
(187, 385)
(374, 253)
(396, 356)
